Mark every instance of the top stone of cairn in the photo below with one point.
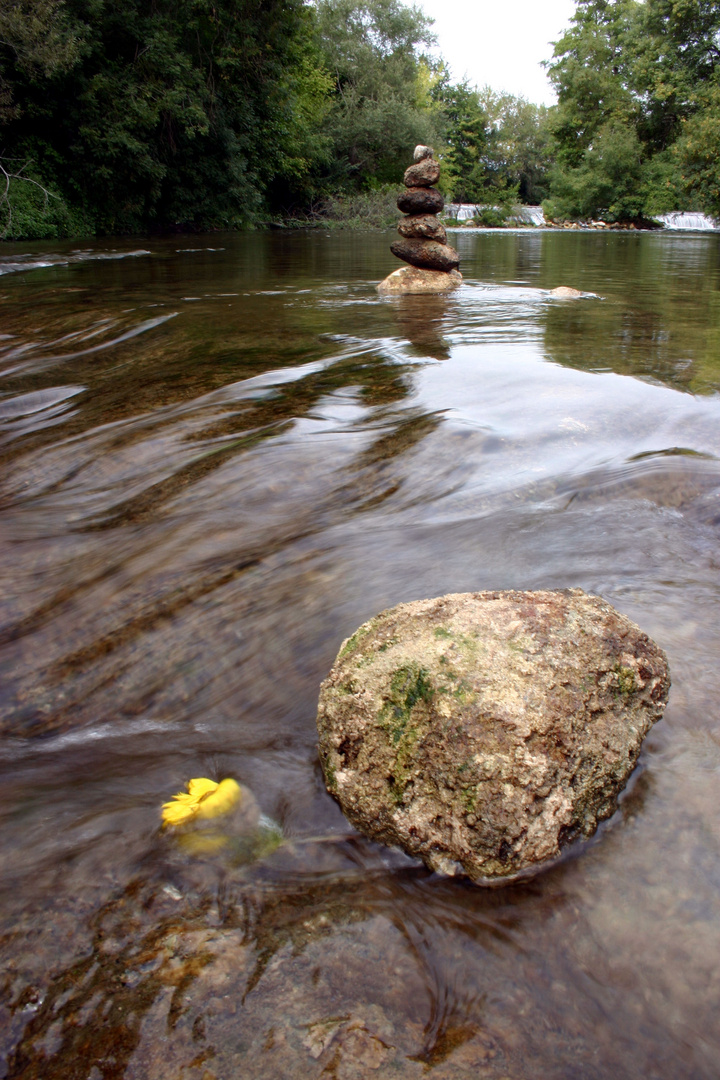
(421, 152)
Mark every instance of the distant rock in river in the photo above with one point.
(564, 292)
(483, 732)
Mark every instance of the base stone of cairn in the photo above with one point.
(411, 279)
(423, 241)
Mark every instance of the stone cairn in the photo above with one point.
(423, 240)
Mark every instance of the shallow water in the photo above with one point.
(219, 455)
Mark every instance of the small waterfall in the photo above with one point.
(688, 221)
(533, 215)
(523, 215)
(528, 215)
(461, 211)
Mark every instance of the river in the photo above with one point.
(218, 456)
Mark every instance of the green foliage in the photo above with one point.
(497, 147)
(592, 74)
(636, 127)
(179, 113)
(467, 174)
(29, 212)
(375, 208)
(381, 96)
(606, 183)
(519, 143)
(491, 217)
(697, 152)
(41, 41)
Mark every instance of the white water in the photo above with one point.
(533, 215)
(523, 215)
(688, 222)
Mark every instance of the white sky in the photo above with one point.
(500, 42)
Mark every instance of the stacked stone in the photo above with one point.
(423, 240)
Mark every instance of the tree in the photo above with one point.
(592, 75)
(519, 143)
(607, 184)
(170, 113)
(35, 37)
(381, 104)
(466, 131)
(635, 129)
(697, 153)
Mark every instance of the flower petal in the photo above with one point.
(178, 813)
(201, 786)
(220, 801)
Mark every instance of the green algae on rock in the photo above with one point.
(484, 732)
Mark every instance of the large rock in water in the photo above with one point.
(483, 732)
(411, 280)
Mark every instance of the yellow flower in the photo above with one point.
(203, 799)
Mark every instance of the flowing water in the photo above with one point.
(220, 455)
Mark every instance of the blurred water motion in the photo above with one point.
(218, 457)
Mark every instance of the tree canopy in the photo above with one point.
(196, 114)
(637, 124)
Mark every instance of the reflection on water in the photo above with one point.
(218, 457)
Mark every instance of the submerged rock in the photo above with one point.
(483, 732)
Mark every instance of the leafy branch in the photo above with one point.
(5, 202)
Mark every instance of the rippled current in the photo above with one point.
(218, 456)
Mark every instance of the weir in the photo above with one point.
(688, 222)
(522, 215)
(685, 221)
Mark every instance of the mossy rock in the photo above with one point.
(484, 732)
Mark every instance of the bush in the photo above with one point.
(373, 209)
(490, 217)
(605, 185)
(31, 211)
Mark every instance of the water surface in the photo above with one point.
(218, 456)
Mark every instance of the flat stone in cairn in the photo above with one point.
(427, 254)
(420, 200)
(423, 240)
(424, 174)
(422, 227)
